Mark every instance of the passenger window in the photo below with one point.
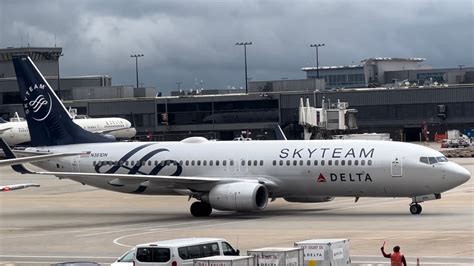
(231, 162)
(261, 162)
(336, 162)
(274, 162)
(199, 162)
(194, 252)
(187, 162)
(432, 160)
(183, 253)
(308, 162)
(281, 162)
(227, 250)
(356, 162)
(242, 163)
(224, 163)
(255, 163)
(153, 254)
(362, 162)
(369, 162)
(329, 162)
(181, 162)
(349, 162)
(315, 162)
(322, 162)
(217, 162)
(192, 162)
(343, 162)
(211, 162)
(295, 162)
(288, 162)
(301, 162)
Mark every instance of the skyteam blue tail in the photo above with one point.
(48, 120)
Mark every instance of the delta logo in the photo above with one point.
(321, 178)
(345, 177)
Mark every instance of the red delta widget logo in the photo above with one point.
(344, 177)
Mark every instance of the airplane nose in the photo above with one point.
(460, 174)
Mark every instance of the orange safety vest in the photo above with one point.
(396, 258)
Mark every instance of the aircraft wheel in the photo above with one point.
(201, 209)
(415, 208)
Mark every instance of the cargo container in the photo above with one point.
(272, 256)
(325, 252)
(226, 261)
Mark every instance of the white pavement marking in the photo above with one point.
(116, 241)
(156, 227)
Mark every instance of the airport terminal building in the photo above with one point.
(442, 99)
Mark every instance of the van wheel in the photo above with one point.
(201, 209)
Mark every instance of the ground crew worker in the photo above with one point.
(396, 258)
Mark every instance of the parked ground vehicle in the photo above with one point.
(181, 251)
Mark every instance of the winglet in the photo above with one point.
(10, 155)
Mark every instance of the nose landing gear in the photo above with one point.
(415, 208)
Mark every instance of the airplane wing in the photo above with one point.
(5, 129)
(17, 186)
(12, 160)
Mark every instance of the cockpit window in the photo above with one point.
(432, 160)
(424, 160)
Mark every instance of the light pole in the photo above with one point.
(59, 79)
(461, 80)
(317, 55)
(245, 58)
(179, 85)
(136, 64)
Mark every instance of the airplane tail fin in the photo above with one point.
(48, 120)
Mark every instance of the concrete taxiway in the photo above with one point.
(63, 221)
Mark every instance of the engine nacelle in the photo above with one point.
(309, 199)
(109, 136)
(240, 196)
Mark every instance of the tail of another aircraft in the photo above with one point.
(48, 120)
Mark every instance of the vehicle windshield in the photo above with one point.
(433, 160)
(127, 257)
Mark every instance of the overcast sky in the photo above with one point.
(185, 41)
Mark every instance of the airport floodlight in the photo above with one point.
(317, 56)
(244, 44)
(136, 64)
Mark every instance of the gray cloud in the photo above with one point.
(194, 40)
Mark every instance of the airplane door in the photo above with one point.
(232, 166)
(397, 167)
(243, 167)
(75, 163)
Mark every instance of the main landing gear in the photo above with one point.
(201, 209)
(415, 208)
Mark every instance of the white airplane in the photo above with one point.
(17, 186)
(234, 175)
(17, 132)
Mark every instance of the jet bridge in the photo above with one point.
(319, 123)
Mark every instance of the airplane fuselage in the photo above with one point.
(17, 132)
(297, 168)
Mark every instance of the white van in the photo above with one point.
(177, 252)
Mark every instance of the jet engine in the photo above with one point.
(309, 199)
(240, 196)
(109, 136)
